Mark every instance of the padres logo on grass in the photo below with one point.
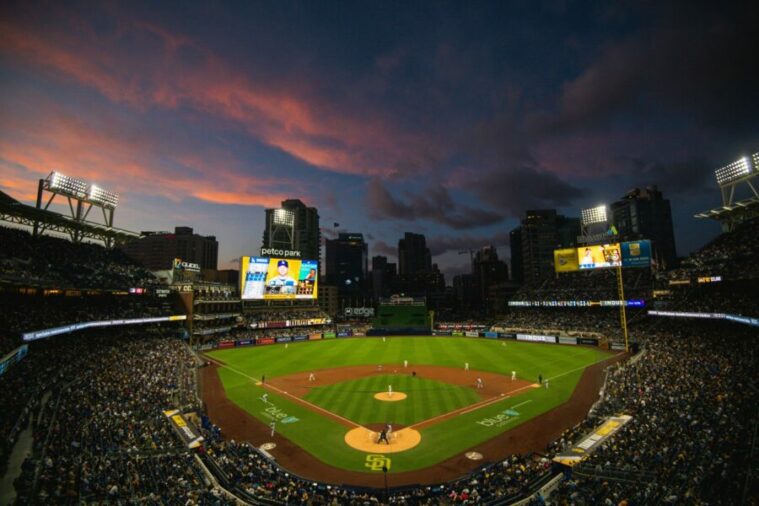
(377, 462)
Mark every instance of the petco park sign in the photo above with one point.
(281, 253)
(359, 311)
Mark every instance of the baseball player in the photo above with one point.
(273, 426)
(311, 377)
(390, 390)
(466, 366)
(513, 375)
(383, 437)
(389, 430)
(405, 363)
(540, 379)
(479, 383)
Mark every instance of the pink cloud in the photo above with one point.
(354, 142)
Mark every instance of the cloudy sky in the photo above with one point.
(444, 118)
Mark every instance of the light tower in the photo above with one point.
(81, 198)
(741, 174)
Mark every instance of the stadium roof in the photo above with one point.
(741, 210)
(13, 211)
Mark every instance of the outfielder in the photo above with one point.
(513, 375)
(466, 366)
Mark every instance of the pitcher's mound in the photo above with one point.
(365, 440)
(385, 396)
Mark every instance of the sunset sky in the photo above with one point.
(443, 118)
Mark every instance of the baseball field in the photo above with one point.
(330, 399)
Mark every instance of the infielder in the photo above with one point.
(466, 366)
(390, 390)
(311, 377)
(479, 383)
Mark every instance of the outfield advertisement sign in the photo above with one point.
(636, 254)
(329, 335)
(567, 340)
(591, 341)
(590, 443)
(536, 338)
(41, 334)
(490, 335)
(472, 333)
(284, 339)
(314, 337)
(300, 338)
(265, 340)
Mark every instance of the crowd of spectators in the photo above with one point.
(731, 255)
(596, 284)
(51, 261)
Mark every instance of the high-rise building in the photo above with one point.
(413, 254)
(157, 250)
(346, 264)
(488, 271)
(294, 226)
(384, 274)
(643, 213)
(543, 231)
(515, 242)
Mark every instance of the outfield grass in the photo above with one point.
(323, 437)
(355, 400)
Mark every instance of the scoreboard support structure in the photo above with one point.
(622, 309)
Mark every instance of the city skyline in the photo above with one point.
(440, 119)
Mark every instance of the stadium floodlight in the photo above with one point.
(755, 159)
(594, 215)
(284, 217)
(735, 170)
(102, 197)
(67, 185)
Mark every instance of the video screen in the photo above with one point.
(278, 278)
(599, 256)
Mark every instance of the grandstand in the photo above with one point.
(89, 404)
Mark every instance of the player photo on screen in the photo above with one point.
(278, 278)
(599, 256)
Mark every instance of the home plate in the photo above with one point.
(473, 455)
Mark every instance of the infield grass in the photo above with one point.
(323, 437)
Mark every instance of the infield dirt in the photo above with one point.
(531, 436)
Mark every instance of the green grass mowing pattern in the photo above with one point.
(323, 437)
(425, 399)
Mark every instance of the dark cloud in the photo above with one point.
(434, 203)
(701, 66)
(383, 248)
(695, 175)
(513, 192)
(443, 244)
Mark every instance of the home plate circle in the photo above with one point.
(268, 446)
(473, 455)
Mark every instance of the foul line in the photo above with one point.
(282, 392)
(494, 400)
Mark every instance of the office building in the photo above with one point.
(157, 250)
(346, 264)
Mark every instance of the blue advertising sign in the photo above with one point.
(636, 254)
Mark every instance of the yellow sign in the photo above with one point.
(565, 260)
(377, 462)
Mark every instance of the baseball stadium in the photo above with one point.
(124, 384)
(379, 253)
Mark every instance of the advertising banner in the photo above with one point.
(587, 340)
(507, 335)
(284, 339)
(536, 338)
(567, 340)
(329, 335)
(472, 333)
(314, 337)
(565, 260)
(186, 431)
(13, 357)
(265, 340)
(491, 335)
(457, 333)
(441, 332)
(344, 333)
(636, 254)
(226, 344)
(278, 278)
(39, 334)
(300, 338)
(244, 342)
